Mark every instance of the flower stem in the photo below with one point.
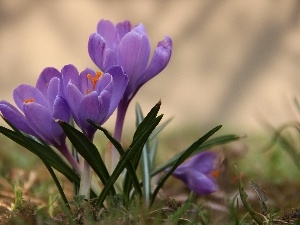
(70, 158)
(86, 176)
(122, 109)
(85, 182)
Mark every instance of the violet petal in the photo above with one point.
(201, 184)
(52, 92)
(204, 162)
(40, 120)
(46, 75)
(159, 60)
(25, 92)
(74, 98)
(61, 109)
(104, 100)
(120, 82)
(108, 31)
(133, 55)
(14, 116)
(88, 109)
(69, 74)
(123, 28)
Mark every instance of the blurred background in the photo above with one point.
(233, 63)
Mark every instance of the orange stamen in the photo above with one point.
(215, 173)
(29, 100)
(94, 79)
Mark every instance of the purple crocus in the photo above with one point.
(130, 48)
(199, 172)
(38, 107)
(93, 95)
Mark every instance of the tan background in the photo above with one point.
(232, 60)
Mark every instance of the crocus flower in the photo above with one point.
(130, 48)
(198, 173)
(38, 107)
(93, 95)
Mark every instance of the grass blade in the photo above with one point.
(244, 197)
(146, 164)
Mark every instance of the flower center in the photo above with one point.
(93, 80)
(29, 100)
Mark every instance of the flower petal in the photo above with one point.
(133, 55)
(88, 109)
(69, 74)
(123, 28)
(13, 115)
(102, 55)
(104, 101)
(139, 29)
(105, 83)
(52, 92)
(40, 120)
(61, 109)
(201, 184)
(24, 93)
(46, 75)
(204, 162)
(108, 31)
(120, 82)
(159, 61)
(74, 98)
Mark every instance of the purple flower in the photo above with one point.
(38, 107)
(198, 173)
(93, 95)
(130, 48)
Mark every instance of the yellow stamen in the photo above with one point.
(29, 100)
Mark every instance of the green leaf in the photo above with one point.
(121, 151)
(206, 145)
(152, 152)
(182, 158)
(136, 160)
(146, 164)
(88, 151)
(140, 137)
